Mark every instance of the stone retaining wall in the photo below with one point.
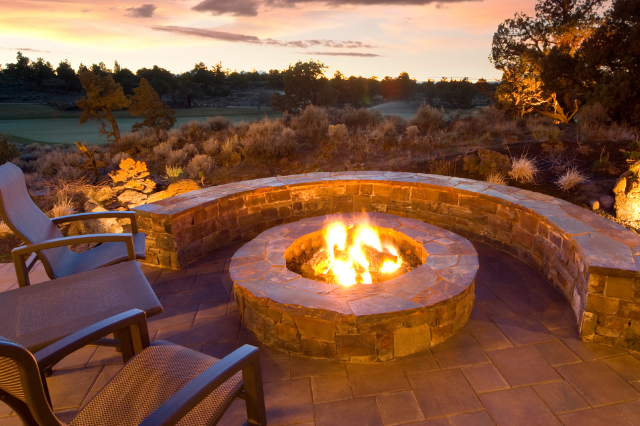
(591, 260)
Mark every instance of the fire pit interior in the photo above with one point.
(362, 293)
(354, 254)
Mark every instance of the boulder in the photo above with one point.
(627, 191)
(606, 201)
(180, 187)
(94, 226)
(131, 198)
(492, 162)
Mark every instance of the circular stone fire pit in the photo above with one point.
(359, 323)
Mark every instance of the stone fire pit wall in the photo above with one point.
(590, 259)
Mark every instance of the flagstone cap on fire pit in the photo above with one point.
(434, 300)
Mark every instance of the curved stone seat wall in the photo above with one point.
(590, 259)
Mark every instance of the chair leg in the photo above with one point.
(254, 393)
(20, 408)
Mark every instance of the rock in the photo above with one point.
(492, 162)
(94, 226)
(627, 190)
(180, 187)
(103, 195)
(471, 162)
(594, 204)
(131, 198)
(606, 202)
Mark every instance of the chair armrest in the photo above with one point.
(130, 327)
(175, 408)
(18, 253)
(100, 215)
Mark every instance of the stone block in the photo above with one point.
(616, 323)
(620, 288)
(382, 190)
(278, 196)
(407, 341)
(602, 305)
(589, 324)
(607, 332)
(440, 333)
(286, 332)
(317, 329)
(318, 348)
(353, 345)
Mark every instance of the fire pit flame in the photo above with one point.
(352, 254)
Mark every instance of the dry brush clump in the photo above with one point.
(200, 167)
(428, 119)
(523, 169)
(496, 178)
(571, 179)
(268, 140)
(311, 124)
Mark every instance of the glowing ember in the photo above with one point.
(352, 255)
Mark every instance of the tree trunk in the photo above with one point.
(115, 130)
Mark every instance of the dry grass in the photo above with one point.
(523, 169)
(545, 133)
(496, 179)
(4, 228)
(442, 166)
(571, 179)
(173, 173)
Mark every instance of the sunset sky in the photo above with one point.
(427, 39)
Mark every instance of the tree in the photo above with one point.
(68, 75)
(161, 80)
(540, 53)
(104, 96)
(20, 71)
(187, 90)
(146, 102)
(125, 78)
(304, 84)
(611, 59)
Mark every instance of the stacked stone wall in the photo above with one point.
(591, 260)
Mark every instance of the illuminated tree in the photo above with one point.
(103, 97)
(540, 53)
(146, 102)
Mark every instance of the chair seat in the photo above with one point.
(103, 255)
(151, 378)
(38, 315)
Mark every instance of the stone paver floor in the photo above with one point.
(518, 361)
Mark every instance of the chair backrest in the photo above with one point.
(25, 219)
(21, 385)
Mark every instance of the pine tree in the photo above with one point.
(103, 97)
(146, 103)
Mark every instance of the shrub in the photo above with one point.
(621, 132)
(117, 158)
(173, 173)
(8, 151)
(211, 146)
(200, 166)
(163, 149)
(523, 169)
(230, 145)
(442, 166)
(193, 131)
(412, 132)
(217, 124)
(268, 140)
(311, 124)
(428, 118)
(385, 134)
(132, 175)
(592, 132)
(593, 114)
(353, 118)
(571, 179)
(177, 157)
(190, 149)
(337, 133)
(543, 133)
(496, 178)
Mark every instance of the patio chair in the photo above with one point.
(163, 384)
(44, 241)
(38, 315)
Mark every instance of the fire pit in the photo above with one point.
(359, 287)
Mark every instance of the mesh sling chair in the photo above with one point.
(43, 239)
(162, 384)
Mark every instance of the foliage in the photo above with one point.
(538, 57)
(146, 102)
(311, 124)
(132, 175)
(428, 118)
(304, 84)
(103, 96)
(8, 151)
(200, 167)
(268, 140)
(173, 173)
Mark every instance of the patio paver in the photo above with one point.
(517, 361)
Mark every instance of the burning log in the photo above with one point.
(377, 258)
